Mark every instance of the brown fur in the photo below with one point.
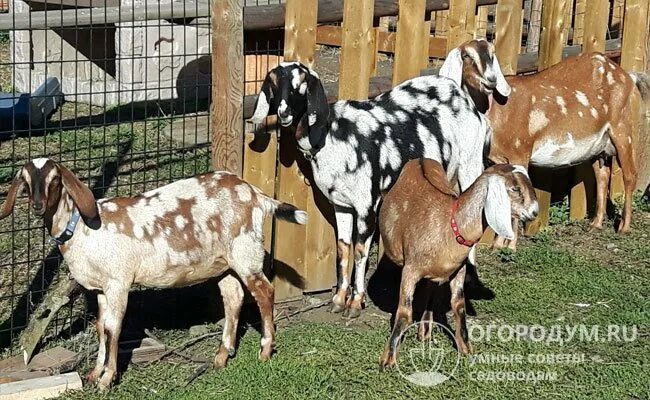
(548, 105)
(414, 223)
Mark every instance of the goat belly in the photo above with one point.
(566, 150)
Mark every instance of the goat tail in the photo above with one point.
(286, 211)
(642, 82)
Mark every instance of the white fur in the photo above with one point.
(452, 67)
(497, 209)
(582, 98)
(502, 85)
(39, 162)
(555, 154)
(262, 109)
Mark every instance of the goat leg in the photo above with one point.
(262, 291)
(117, 297)
(458, 307)
(426, 322)
(602, 172)
(403, 317)
(233, 297)
(344, 221)
(94, 375)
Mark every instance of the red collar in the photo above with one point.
(454, 227)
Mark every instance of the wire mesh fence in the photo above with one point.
(116, 90)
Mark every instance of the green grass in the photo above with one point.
(561, 277)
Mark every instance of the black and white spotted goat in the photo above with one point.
(358, 148)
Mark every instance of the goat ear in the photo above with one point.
(15, 188)
(263, 102)
(82, 196)
(502, 85)
(318, 110)
(452, 68)
(498, 208)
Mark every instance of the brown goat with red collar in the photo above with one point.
(429, 231)
(585, 108)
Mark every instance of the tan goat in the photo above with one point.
(429, 231)
(177, 235)
(585, 108)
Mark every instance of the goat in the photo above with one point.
(429, 231)
(585, 108)
(177, 235)
(358, 148)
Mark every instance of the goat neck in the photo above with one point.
(482, 101)
(56, 218)
(469, 216)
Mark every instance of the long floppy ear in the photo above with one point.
(82, 196)
(318, 110)
(502, 85)
(15, 188)
(452, 68)
(497, 207)
(265, 97)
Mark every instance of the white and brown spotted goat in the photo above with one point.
(585, 108)
(429, 230)
(178, 235)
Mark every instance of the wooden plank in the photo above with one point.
(331, 35)
(410, 24)
(442, 24)
(568, 20)
(357, 49)
(256, 18)
(459, 20)
(532, 41)
(289, 255)
(595, 31)
(618, 14)
(481, 22)
(227, 91)
(635, 40)
(261, 148)
(579, 21)
(551, 45)
(423, 45)
(508, 34)
(141, 351)
(40, 388)
(552, 38)
(51, 361)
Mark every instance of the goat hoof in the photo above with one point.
(94, 375)
(386, 363)
(221, 358)
(265, 354)
(623, 229)
(424, 333)
(106, 381)
(352, 313)
(336, 308)
(594, 227)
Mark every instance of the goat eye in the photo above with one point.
(516, 189)
(466, 56)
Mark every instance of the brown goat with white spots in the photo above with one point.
(585, 108)
(177, 235)
(429, 231)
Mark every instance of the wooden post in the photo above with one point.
(291, 240)
(595, 31)
(357, 49)
(552, 40)
(551, 44)
(442, 25)
(568, 19)
(532, 42)
(461, 14)
(618, 15)
(508, 34)
(481, 22)
(227, 91)
(410, 25)
(579, 21)
(635, 38)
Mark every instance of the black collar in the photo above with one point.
(69, 229)
(319, 142)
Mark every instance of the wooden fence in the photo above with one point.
(304, 257)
